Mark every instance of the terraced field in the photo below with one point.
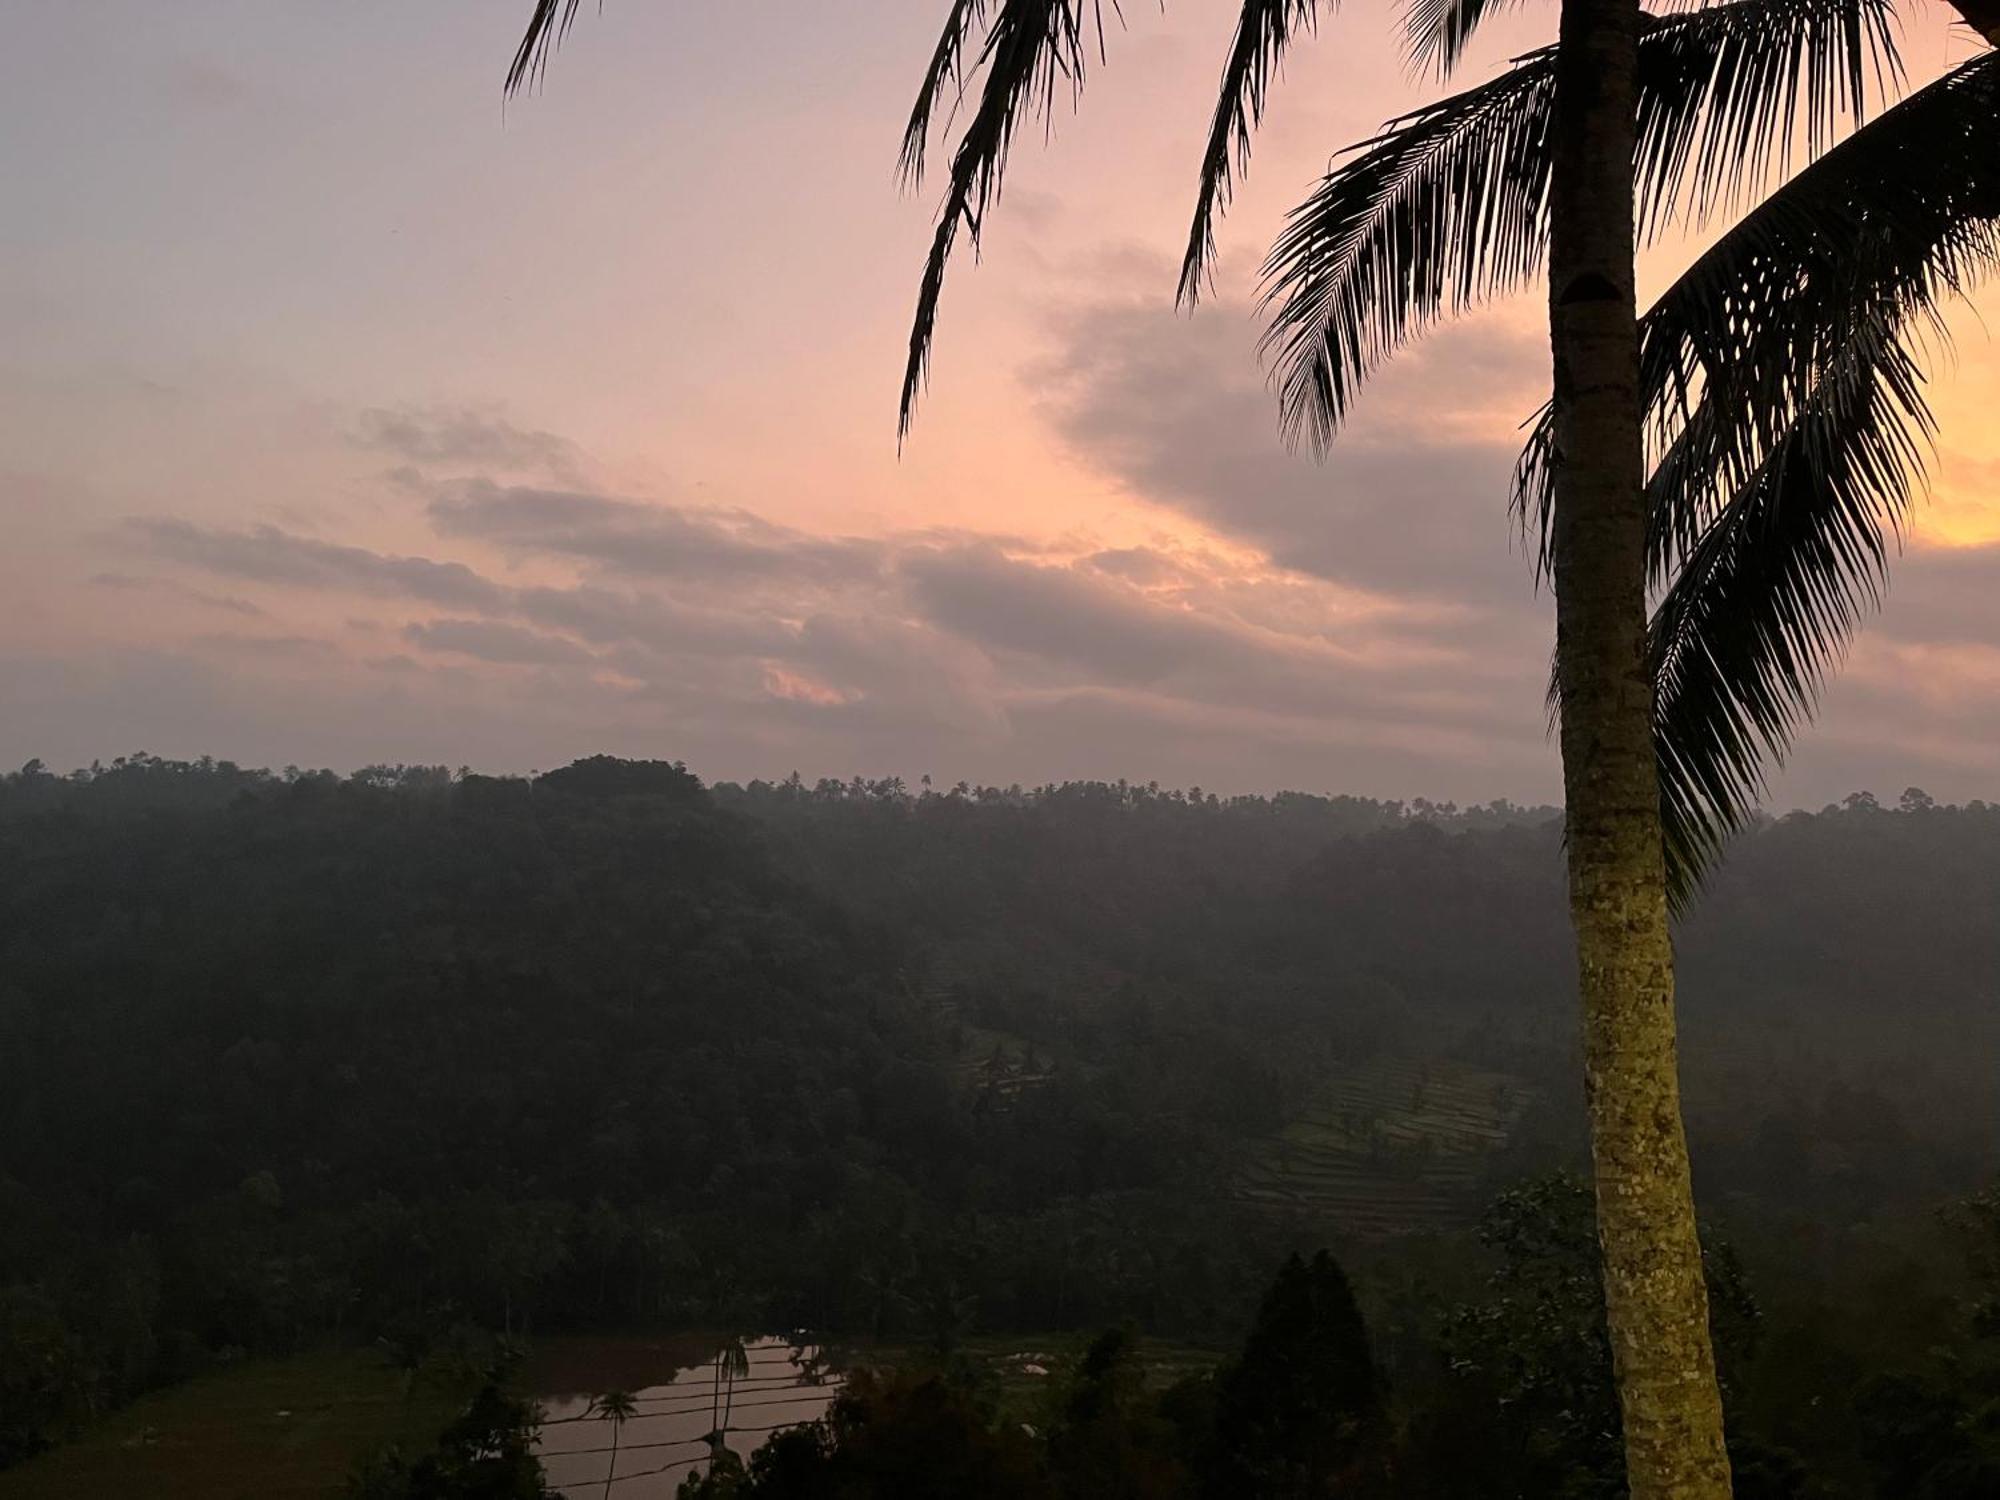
(996, 1065)
(1388, 1148)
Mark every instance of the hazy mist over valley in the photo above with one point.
(1233, 750)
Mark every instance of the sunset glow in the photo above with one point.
(435, 431)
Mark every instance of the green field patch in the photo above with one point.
(996, 1063)
(263, 1430)
(1387, 1148)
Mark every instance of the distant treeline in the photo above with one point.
(296, 1057)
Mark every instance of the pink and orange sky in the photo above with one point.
(349, 417)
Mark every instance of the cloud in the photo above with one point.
(1363, 625)
(1062, 614)
(269, 647)
(1410, 501)
(613, 616)
(496, 641)
(650, 539)
(985, 654)
(465, 437)
(127, 583)
(266, 554)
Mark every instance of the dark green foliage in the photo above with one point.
(904, 1437)
(1933, 1431)
(1299, 1414)
(1530, 1361)
(1929, 1439)
(608, 776)
(46, 1381)
(296, 1059)
(486, 1453)
(1110, 1437)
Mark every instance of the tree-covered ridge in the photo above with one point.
(294, 1058)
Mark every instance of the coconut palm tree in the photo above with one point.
(732, 1363)
(1392, 240)
(1781, 382)
(1630, 122)
(617, 1408)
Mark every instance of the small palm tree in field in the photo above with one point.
(617, 1408)
(732, 1363)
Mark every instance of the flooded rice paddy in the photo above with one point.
(682, 1392)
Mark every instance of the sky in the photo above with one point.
(349, 414)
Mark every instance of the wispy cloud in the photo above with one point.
(267, 554)
(466, 438)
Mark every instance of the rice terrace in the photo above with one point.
(1390, 1147)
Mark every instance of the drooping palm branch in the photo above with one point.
(1783, 385)
(1772, 589)
(1030, 46)
(548, 24)
(1722, 93)
(1449, 206)
(1783, 374)
(1263, 33)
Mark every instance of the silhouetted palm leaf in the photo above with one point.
(1773, 590)
(947, 70)
(1263, 32)
(548, 24)
(1438, 30)
(1784, 393)
(1784, 483)
(1030, 45)
(1450, 205)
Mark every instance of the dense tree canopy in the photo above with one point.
(289, 1058)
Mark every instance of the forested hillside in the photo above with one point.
(296, 1059)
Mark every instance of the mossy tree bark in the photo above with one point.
(1655, 1297)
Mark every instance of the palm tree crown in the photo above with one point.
(616, 1407)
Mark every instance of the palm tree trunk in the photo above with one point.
(612, 1472)
(1656, 1300)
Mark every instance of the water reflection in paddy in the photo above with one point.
(680, 1394)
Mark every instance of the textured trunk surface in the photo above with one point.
(1656, 1298)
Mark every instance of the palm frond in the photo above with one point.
(947, 70)
(1446, 208)
(1437, 31)
(1029, 47)
(1893, 222)
(547, 26)
(1263, 32)
(1783, 385)
(1772, 591)
(1449, 206)
(1784, 479)
(1726, 89)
